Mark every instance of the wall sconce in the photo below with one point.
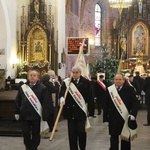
(91, 43)
(14, 66)
(63, 56)
(15, 63)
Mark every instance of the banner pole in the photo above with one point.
(66, 92)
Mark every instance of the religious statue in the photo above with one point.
(123, 43)
(114, 24)
(140, 6)
(36, 6)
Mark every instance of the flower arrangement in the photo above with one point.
(23, 75)
(33, 64)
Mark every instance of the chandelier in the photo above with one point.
(120, 4)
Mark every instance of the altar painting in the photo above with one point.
(139, 39)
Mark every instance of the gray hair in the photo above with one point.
(51, 73)
(77, 68)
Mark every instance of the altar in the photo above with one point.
(37, 47)
(138, 63)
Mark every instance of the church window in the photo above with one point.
(97, 25)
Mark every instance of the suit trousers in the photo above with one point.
(99, 107)
(31, 133)
(148, 114)
(114, 143)
(50, 122)
(77, 134)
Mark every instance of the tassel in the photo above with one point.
(124, 138)
(134, 136)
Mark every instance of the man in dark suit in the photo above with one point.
(146, 89)
(141, 82)
(53, 87)
(28, 114)
(135, 85)
(112, 116)
(75, 116)
(100, 90)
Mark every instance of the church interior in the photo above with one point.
(43, 35)
(46, 34)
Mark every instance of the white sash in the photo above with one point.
(120, 106)
(78, 98)
(102, 84)
(35, 103)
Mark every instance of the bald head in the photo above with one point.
(33, 76)
(119, 79)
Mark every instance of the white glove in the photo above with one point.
(106, 123)
(95, 98)
(62, 101)
(139, 98)
(16, 116)
(131, 117)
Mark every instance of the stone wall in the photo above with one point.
(84, 27)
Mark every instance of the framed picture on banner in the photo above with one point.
(98, 74)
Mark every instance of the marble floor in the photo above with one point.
(97, 138)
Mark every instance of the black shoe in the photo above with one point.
(94, 116)
(146, 124)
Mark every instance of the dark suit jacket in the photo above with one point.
(100, 92)
(140, 81)
(111, 114)
(146, 89)
(24, 108)
(136, 85)
(71, 109)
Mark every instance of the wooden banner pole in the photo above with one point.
(66, 92)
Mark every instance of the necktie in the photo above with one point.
(76, 81)
(118, 88)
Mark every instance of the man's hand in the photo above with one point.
(106, 123)
(17, 117)
(139, 98)
(131, 117)
(95, 99)
(62, 101)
